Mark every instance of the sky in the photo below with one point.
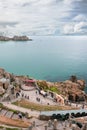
(43, 17)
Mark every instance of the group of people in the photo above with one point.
(37, 99)
(25, 96)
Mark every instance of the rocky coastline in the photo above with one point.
(38, 105)
(15, 38)
(71, 90)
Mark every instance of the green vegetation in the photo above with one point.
(44, 86)
(14, 111)
(1, 127)
(12, 129)
(1, 95)
(54, 89)
(1, 105)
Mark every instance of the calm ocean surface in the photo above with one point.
(51, 58)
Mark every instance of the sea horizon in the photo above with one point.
(50, 58)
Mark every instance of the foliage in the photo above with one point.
(2, 94)
(1, 127)
(54, 89)
(11, 128)
(1, 105)
(12, 79)
(43, 85)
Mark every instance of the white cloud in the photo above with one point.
(75, 28)
(68, 29)
(80, 27)
(80, 17)
(40, 17)
(71, 1)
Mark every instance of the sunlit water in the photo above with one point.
(50, 58)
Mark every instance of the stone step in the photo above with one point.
(25, 119)
(14, 116)
(3, 112)
(9, 114)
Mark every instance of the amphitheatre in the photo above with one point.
(30, 104)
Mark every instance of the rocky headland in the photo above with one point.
(71, 90)
(15, 38)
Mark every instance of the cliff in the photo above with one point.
(15, 38)
(72, 89)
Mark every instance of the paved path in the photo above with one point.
(33, 95)
(14, 107)
(39, 125)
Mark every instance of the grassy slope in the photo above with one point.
(39, 107)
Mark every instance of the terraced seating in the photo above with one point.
(15, 116)
(3, 112)
(9, 114)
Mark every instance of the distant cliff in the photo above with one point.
(72, 89)
(15, 38)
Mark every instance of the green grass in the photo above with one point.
(40, 107)
(1, 105)
(54, 89)
(1, 127)
(44, 86)
(12, 129)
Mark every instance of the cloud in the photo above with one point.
(68, 29)
(4, 24)
(79, 18)
(48, 17)
(80, 28)
(75, 28)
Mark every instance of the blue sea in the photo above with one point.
(52, 58)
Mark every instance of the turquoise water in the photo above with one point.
(52, 58)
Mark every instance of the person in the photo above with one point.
(20, 115)
(28, 97)
(76, 105)
(22, 94)
(83, 106)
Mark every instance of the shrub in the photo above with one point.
(62, 117)
(73, 114)
(67, 116)
(79, 124)
(54, 116)
(78, 114)
(83, 114)
(58, 116)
